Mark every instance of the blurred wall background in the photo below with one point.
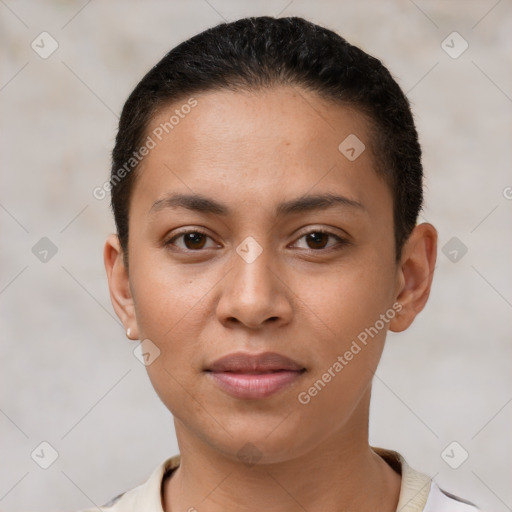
(68, 374)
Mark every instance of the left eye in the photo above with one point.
(319, 240)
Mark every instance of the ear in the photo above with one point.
(414, 275)
(119, 285)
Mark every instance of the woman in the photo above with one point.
(266, 184)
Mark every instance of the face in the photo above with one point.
(251, 232)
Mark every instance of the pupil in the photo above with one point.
(317, 239)
(194, 239)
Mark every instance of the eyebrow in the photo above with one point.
(203, 204)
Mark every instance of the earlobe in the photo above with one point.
(119, 285)
(415, 273)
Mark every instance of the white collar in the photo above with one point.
(418, 493)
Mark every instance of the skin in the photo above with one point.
(307, 299)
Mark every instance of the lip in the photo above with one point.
(243, 362)
(254, 376)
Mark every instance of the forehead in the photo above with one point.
(257, 145)
(257, 121)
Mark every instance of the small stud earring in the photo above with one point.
(128, 333)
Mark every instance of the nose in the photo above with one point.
(254, 294)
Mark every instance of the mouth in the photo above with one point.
(247, 376)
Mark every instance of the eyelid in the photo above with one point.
(323, 229)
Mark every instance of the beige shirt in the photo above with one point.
(418, 492)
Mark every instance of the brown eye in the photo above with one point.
(190, 241)
(194, 240)
(319, 240)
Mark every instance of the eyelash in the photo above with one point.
(340, 241)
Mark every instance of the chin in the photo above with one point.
(259, 441)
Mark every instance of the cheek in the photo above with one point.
(167, 295)
(348, 344)
(171, 310)
(348, 318)
(348, 300)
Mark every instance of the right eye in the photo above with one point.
(191, 241)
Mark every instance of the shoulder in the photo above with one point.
(418, 492)
(442, 501)
(146, 496)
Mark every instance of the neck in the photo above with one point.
(340, 473)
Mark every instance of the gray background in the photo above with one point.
(69, 376)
